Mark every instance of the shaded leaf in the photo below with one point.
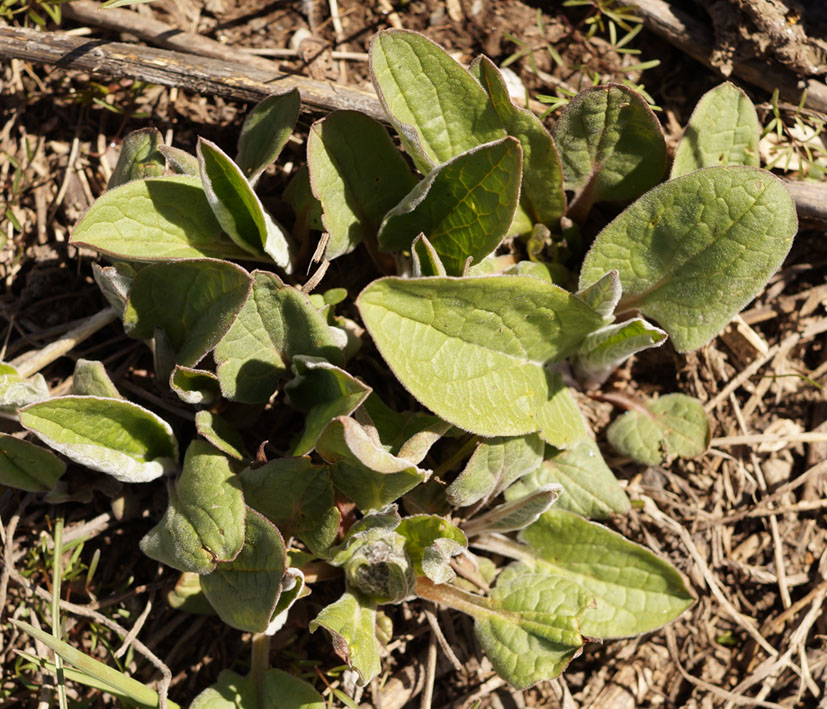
(194, 386)
(464, 206)
(181, 162)
(431, 542)
(111, 436)
(115, 283)
(611, 146)
(193, 301)
(358, 174)
(265, 132)
(276, 323)
(279, 690)
(139, 157)
(517, 513)
(25, 466)
(188, 596)
(246, 590)
(220, 434)
(494, 465)
(296, 496)
(603, 295)
(90, 379)
(695, 250)
(425, 259)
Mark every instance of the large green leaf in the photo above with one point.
(204, 522)
(531, 630)
(112, 436)
(265, 132)
(276, 323)
(357, 174)
(194, 302)
(673, 425)
(473, 350)
(611, 146)
(246, 590)
(237, 207)
(723, 130)
(436, 106)
(494, 465)
(542, 195)
(634, 591)
(296, 496)
(157, 219)
(352, 627)
(693, 251)
(589, 487)
(139, 157)
(278, 690)
(463, 206)
(363, 470)
(26, 466)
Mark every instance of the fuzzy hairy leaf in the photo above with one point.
(25, 466)
(139, 157)
(473, 350)
(278, 689)
(204, 522)
(695, 250)
(357, 174)
(111, 436)
(673, 425)
(436, 106)
(157, 219)
(265, 132)
(723, 130)
(464, 206)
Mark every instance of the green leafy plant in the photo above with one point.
(489, 313)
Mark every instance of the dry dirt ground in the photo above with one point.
(745, 523)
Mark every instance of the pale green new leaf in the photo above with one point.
(26, 466)
(279, 690)
(194, 302)
(589, 487)
(114, 283)
(158, 219)
(296, 496)
(723, 130)
(603, 295)
(464, 206)
(611, 146)
(674, 425)
(531, 630)
(276, 323)
(473, 350)
(425, 260)
(180, 161)
(358, 174)
(604, 350)
(237, 207)
(139, 157)
(352, 627)
(695, 250)
(493, 466)
(634, 591)
(542, 195)
(246, 590)
(204, 522)
(111, 436)
(322, 391)
(90, 379)
(436, 106)
(265, 132)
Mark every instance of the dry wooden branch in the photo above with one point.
(233, 80)
(695, 39)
